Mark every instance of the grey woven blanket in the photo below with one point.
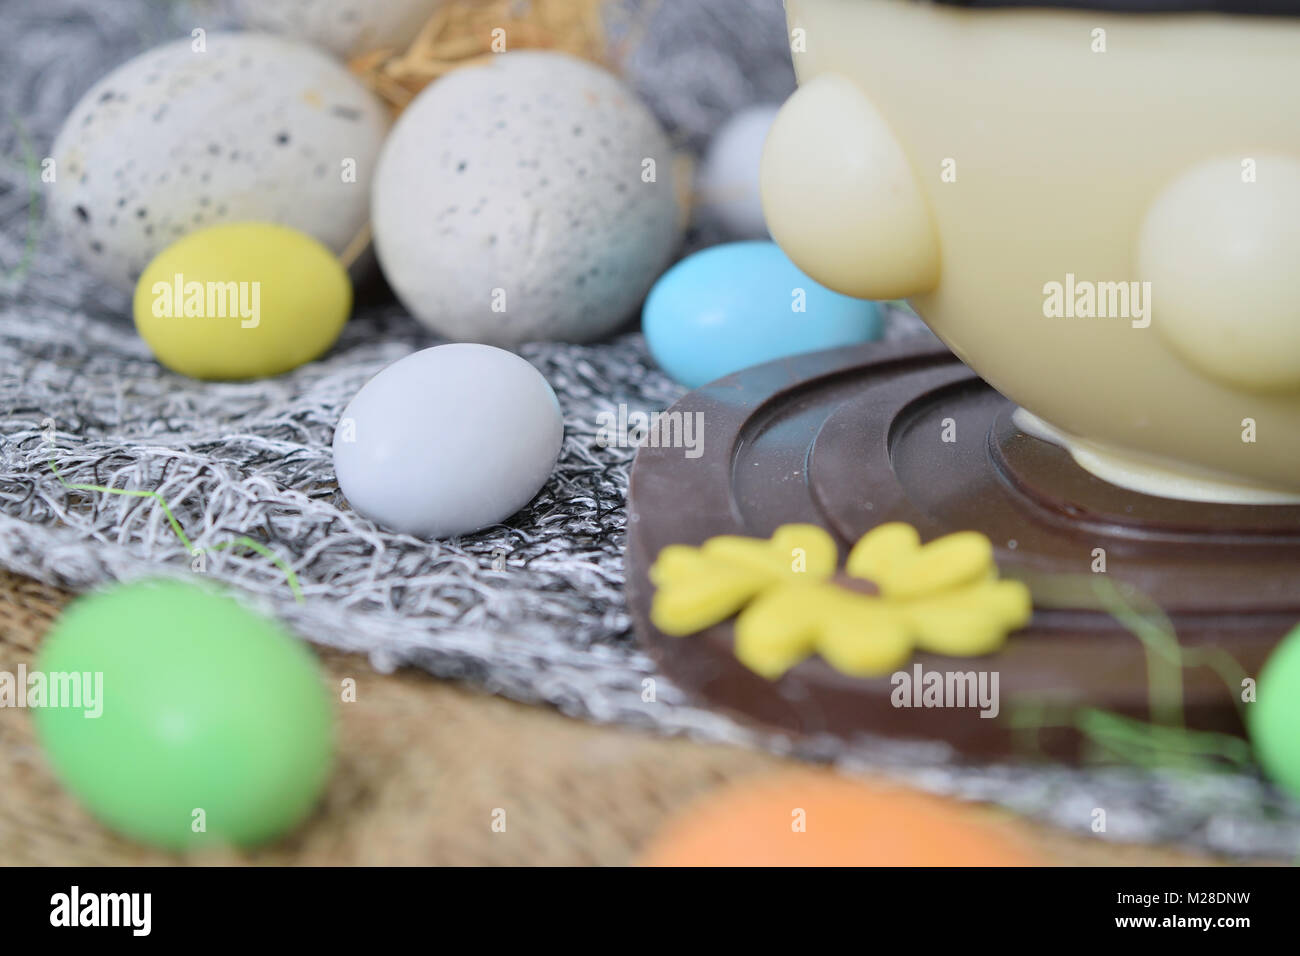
(534, 609)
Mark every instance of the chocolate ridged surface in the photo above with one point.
(852, 438)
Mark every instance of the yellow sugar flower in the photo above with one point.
(698, 587)
(943, 597)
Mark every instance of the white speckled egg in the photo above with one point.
(448, 440)
(531, 198)
(252, 127)
(346, 28)
(728, 182)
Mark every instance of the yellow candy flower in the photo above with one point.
(944, 597)
(698, 587)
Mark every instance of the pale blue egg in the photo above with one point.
(741, 304)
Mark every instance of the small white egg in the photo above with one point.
(448, 440)
(225, 127)
(531, 198)
(728, 179)
(346, 28)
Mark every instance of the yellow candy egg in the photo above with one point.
(242, 300)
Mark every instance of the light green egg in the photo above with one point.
(199, 721)
(1274, 716)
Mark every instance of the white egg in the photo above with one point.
(531, 198)
(247, 127)
(728, 181)
(448, 440)
(346, 28)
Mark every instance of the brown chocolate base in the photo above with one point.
(852, 438)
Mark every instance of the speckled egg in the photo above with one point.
(531, 198)
(249, 127)
(344, 27)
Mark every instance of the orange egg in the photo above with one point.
(820, 819)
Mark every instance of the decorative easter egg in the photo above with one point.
(728, 183)
(531, 198)
(814, 819)
(346, 28)
(448, 440)
(242, 300)
(223, 127)
(1274, 717)
(199, 721)
(743, 303)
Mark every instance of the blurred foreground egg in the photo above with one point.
(248, 127)
(1274, 717)
(240, 301)
(530, 198)
(448, 440)
(743, 303)
(213, 724)
(728, 183)
(813, 819)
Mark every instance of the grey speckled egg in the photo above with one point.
(252, 128)
(530, 198)
(344, 27)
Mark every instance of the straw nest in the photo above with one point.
(467, 32)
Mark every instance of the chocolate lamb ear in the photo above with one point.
(840, 197)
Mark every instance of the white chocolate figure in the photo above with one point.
(1098, 212)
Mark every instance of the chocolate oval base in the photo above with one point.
(851, 438)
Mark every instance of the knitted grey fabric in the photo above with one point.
(532, 609)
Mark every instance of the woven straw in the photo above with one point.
(462, 33)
